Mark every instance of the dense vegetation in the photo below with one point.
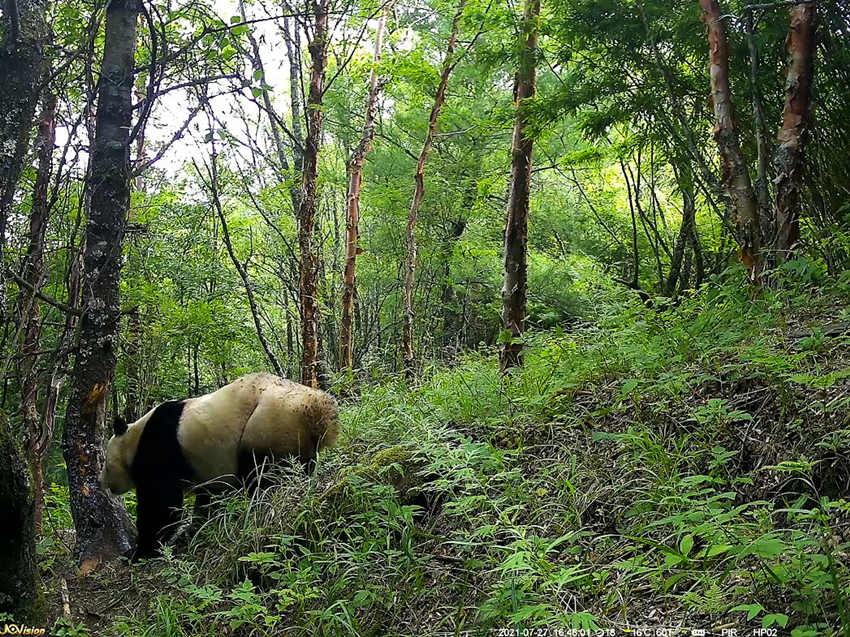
(575, 270)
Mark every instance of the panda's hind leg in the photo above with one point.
(254, 470)
(159, 508)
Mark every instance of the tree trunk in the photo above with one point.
(686, 187)
(20, 586)
(419, 193)
(309, 264)
(21, 56)
(352, 216)
(788, 159)
(102, 524)
(759, 129)
(38, 436)
(514, 289)
(734, 172)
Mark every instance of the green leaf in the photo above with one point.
(671, 581)
(686, 544)
(258, 74)
(767, 547)
(629, 386)
(751, 609)
(716, 549)
(774, 618)
(235, 19)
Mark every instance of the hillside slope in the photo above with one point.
(683, 467)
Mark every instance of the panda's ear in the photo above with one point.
(119, 426)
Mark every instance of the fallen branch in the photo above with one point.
(66, 598)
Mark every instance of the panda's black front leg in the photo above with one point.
(159, 508)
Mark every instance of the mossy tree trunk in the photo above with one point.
(515, 286)
(21, 58)
(39, 436)
(100, 520)
(20, 586)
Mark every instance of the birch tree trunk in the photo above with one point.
(352, 216)
(99, 518)
(788, 158)
(309, 262)
(734, 172)
(514, 289)
(419, 193)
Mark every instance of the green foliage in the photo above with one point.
(67, 628)
(619, 471)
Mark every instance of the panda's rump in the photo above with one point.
(279, 424)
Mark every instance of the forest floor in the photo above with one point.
(685, 468)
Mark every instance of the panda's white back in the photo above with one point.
(211, 427)
(258, 412)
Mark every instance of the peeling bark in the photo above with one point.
(514, 288)
(788, 158)
(419, 193)
(352, 216)
(102, 524)
(309, 261)
(734, 173)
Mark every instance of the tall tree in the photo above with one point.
(794, 131)
(734, 172)
(352, 217)
(21, 58)
(514, 288)
(39, 436)
(449, 63)
(99, 518)
(309, 259)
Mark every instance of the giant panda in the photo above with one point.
(217, 437)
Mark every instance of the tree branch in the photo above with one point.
(30, 288)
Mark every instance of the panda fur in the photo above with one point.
(217, 437)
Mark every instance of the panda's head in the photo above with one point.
(116, 469)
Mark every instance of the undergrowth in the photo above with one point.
(677, 466)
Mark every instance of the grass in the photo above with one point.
(683, 466)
